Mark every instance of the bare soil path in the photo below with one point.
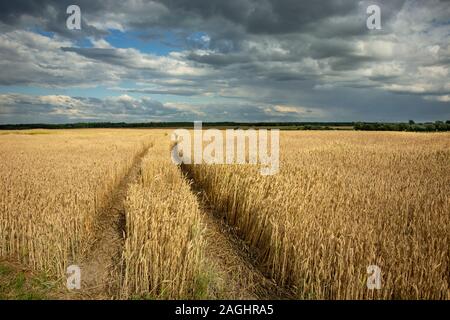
(100, 267)
(232, 260)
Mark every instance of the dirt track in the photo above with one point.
(232, 264)
(100, 268)
(232, 260)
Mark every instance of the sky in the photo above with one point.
(234, 60)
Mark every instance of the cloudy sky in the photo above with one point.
(217, 60)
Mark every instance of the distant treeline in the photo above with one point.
(410, 126)
(81, 125)
(368, 126)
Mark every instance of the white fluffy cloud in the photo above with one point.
(28, 58)
(69, 109)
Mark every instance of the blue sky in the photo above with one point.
(164, 42)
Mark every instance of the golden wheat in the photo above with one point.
(341, 202)
(52, 187)
(163, 248)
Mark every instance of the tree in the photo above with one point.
(411, 122)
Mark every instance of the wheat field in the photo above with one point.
(341, 202)
(164, 245)
(53, 185)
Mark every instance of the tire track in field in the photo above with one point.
(232, 260)
(101, 265)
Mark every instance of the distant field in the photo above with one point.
(111, 201)
(30, 132)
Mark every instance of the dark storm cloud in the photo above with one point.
(349, 62)
(219, 59)
(275, 16)
(330, 48)
(227, 19)
(176, 92)
(49, 16)
(104, 54)
(275, 59)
